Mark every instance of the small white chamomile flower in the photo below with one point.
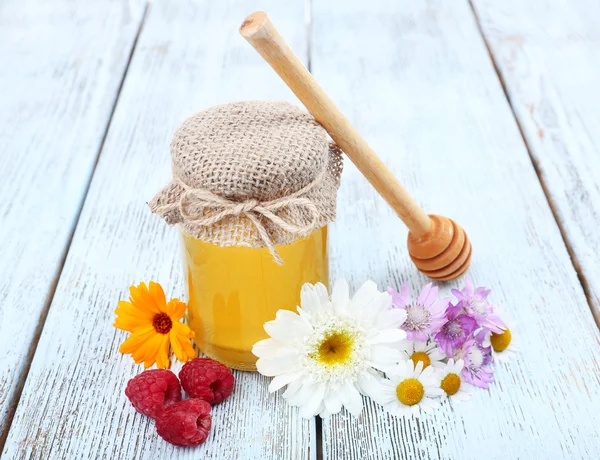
(452, 383)
(429, 355)
(409, 389)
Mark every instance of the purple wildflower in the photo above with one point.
(478, 358)
(475, 303)
(423, 317)
(456, 330)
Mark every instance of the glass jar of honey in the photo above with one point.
(254, 187)
(233, 291)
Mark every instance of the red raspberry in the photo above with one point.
(185, 423)
(206, 379)
(153, 391)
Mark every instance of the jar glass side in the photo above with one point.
(233, 291)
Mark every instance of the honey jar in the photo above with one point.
(254, 187)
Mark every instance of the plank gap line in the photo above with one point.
(563, 233)
(36, 337)
(319, 437)
(44, 314)
(308, 26)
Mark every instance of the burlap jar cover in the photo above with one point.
(256, 174)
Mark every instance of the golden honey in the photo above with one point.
(234, 290)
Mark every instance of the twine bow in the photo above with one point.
(204, 200)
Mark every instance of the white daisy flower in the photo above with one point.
(429, 355)
(451, 381)
(505, 345)
(326, 354)
(409, 389)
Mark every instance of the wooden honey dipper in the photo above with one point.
(438, 246)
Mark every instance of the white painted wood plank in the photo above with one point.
(547, 54)
(416, 79)
(189, 56)
(61, 64)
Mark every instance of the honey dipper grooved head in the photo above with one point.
(444, 253)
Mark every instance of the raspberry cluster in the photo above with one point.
(157, 394)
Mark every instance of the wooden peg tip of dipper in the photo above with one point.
(253, 23)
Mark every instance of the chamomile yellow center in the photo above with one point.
(500, 342)
(336, 348)
(420, 356)
(451, 384)
(410, 392)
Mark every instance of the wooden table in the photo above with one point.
(487, 111)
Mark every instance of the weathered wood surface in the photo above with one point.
(547, 54)
(189, 56)
(416, 79)
(61, 64)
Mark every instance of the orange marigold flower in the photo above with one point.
(154, 325)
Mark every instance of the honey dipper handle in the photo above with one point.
(263, 36)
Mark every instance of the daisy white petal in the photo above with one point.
(314, 403)
(302, 396)
(292, 388)
(333, 401)
(418, 369)
(363, 297)
(282, 380)
(322, 294)
(378, 304)
(383, 354)
(286, 328)
(386, 336)
(275, 366)
(401, 370)
(340, 296)
(387, 390)
(309, 300)
(351, 398)
(271, 348)
(324, 412)
(369, 386)
(392, 318)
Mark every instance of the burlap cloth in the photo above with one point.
(255, 173)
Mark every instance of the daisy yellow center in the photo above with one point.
(500, 342)
(422, 357)
(336, 351)
(336, 348)
(162, 323)
(410, 392)
(451, 384)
